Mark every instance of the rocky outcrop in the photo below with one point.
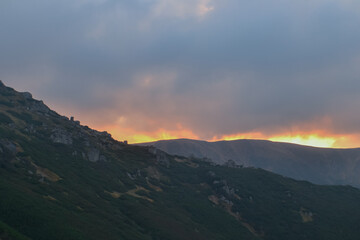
(61, 136)
(26, 95)
(161, 157)
(94, 155)
(10, 146)
(8, 150)
(39, 106)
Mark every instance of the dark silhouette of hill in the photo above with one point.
(318, 165)
(60, 180)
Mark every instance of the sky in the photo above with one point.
(146, 70)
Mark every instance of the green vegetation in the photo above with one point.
(94, 187)
(8, 233)
(4, 118)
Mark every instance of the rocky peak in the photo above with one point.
(26, 95)
(34, 118)
(39, 106)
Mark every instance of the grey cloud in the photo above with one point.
(245, 66)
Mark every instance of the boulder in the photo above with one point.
(10, 146)
(161, 157)
(26, 95)
(61, 136)
(94, 155)
(39, 106)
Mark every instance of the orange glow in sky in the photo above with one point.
(310, 138)
(133, 136)
(316, 139)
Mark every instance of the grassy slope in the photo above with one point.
(79, 207)
(318, 165)
(8, 233)
(132, 195)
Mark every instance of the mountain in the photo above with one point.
(62, 180)
(318, 165)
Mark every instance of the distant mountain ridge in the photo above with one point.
(62, 180)
(318, 165)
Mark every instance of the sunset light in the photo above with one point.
(133, 136)
(309, 140)
(315, 139)
(179, 119)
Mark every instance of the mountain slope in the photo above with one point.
(61, 180)
(318, 165)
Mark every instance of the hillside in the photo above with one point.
(62, 180)
(318, 165)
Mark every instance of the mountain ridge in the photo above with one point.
(63, 181)
(318, 165)
(245, 139)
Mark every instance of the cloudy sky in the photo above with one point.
(205, 69)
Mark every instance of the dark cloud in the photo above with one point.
(215, 67)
